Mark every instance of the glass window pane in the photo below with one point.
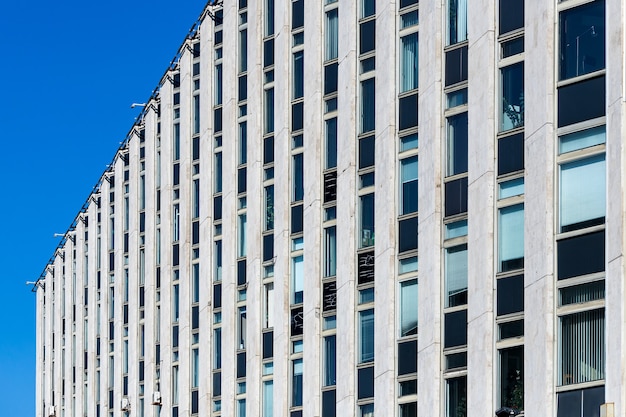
(297, 383)
(511, 238)
(512, 377)
(456, 275)
(582, 46)
(331, 44)
(583, 139)
(297, 274)
(367, 36)
(268, 398)
(408, 190)
(368, 105)
(408, 62)
(457, 144)
(330, 358)
(367, 221)
(511, 15)
(456, 397)
(582, 193)
(457, 21)
(582, 347)
(366, 336)
(408, 307)
(298, 74)
(330, 251)
(331, 143)
(512, 115)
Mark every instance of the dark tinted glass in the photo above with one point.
(297, 14)
(510, 295)
(175, 255)
(456, 197)
(268, 52)
(241, 272)
(217, 384)
(243, 88)
(581, 101)
(408, 234)
(330, 186)
(511, 15)
(297, 321)
(580, 255)
(195, 317)
(407, 357)
(329, 301)
(328, 404)
(297, 116)
(366, 382)
(195, 233)
(296, 219)
(405, 3)
(569, 404)
(511, 154)
(217, 296)
(593, 398)
(455, 325)
(217, 119)
(241, 365)
(330, 78)
(456, 65)
(194, 402)
(218, 37)
(268, 345)
(268, 150)
(217, 207)
(366, 267)
(512, 329)
(408, 112)
(241, 180)
(176, 172)
(367, 38)
(456, 360)
(174, 336)
(268, 247)
(582, 35)
(196, 148)
(366, 152)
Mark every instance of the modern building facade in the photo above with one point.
(252, 250)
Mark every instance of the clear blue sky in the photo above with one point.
(69, 72)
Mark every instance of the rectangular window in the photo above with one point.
(330, 358)
(268, 398)
(456, 275)
(243, 50)
(512, 115)
(511, 15)
(297, 383)
(298, 75)
(456, 397)
(511, 238)
(368, 8)
(269, 110)
(297, 279)
(581, 347)
(582, 40)
(330, 251)
(582, 193)
(218, 84)
(269, 17)
(512, 377)
(367, 221)
(366, 336)
(242, 327)
(241, 242)
(331, 44)
(196, 115)
(457, 21)
(408, 62)
(408, 189)
(408, 308)
(298, 177)
(368, 105)
(331, 143)
(457, 144)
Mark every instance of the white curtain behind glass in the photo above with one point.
(408, 62)
(332, 35)
(456, 271)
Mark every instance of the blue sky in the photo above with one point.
(69, 72)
